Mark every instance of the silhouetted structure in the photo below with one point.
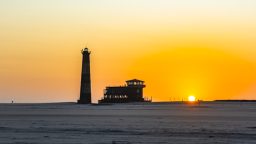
(85, 90)
(132, 92)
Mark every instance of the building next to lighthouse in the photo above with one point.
(85, 89)
(131, 92)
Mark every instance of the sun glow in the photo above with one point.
(191, 98)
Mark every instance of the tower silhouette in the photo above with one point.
(85, 90)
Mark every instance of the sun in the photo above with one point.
(191, 98)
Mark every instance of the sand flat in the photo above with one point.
(161, 123)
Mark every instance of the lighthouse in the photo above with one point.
(85, 89)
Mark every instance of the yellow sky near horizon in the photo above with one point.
(178, 47)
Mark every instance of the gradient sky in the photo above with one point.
(205, 48)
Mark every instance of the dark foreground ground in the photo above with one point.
(158, 123)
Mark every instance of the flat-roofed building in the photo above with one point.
(131, 92)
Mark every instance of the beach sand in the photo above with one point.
(142, 123)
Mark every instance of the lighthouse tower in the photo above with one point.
(85, 90)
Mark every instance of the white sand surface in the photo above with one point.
(158, 123)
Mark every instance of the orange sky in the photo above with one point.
(178, 47)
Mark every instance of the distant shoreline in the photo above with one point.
(157, 102)
(235, 100)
